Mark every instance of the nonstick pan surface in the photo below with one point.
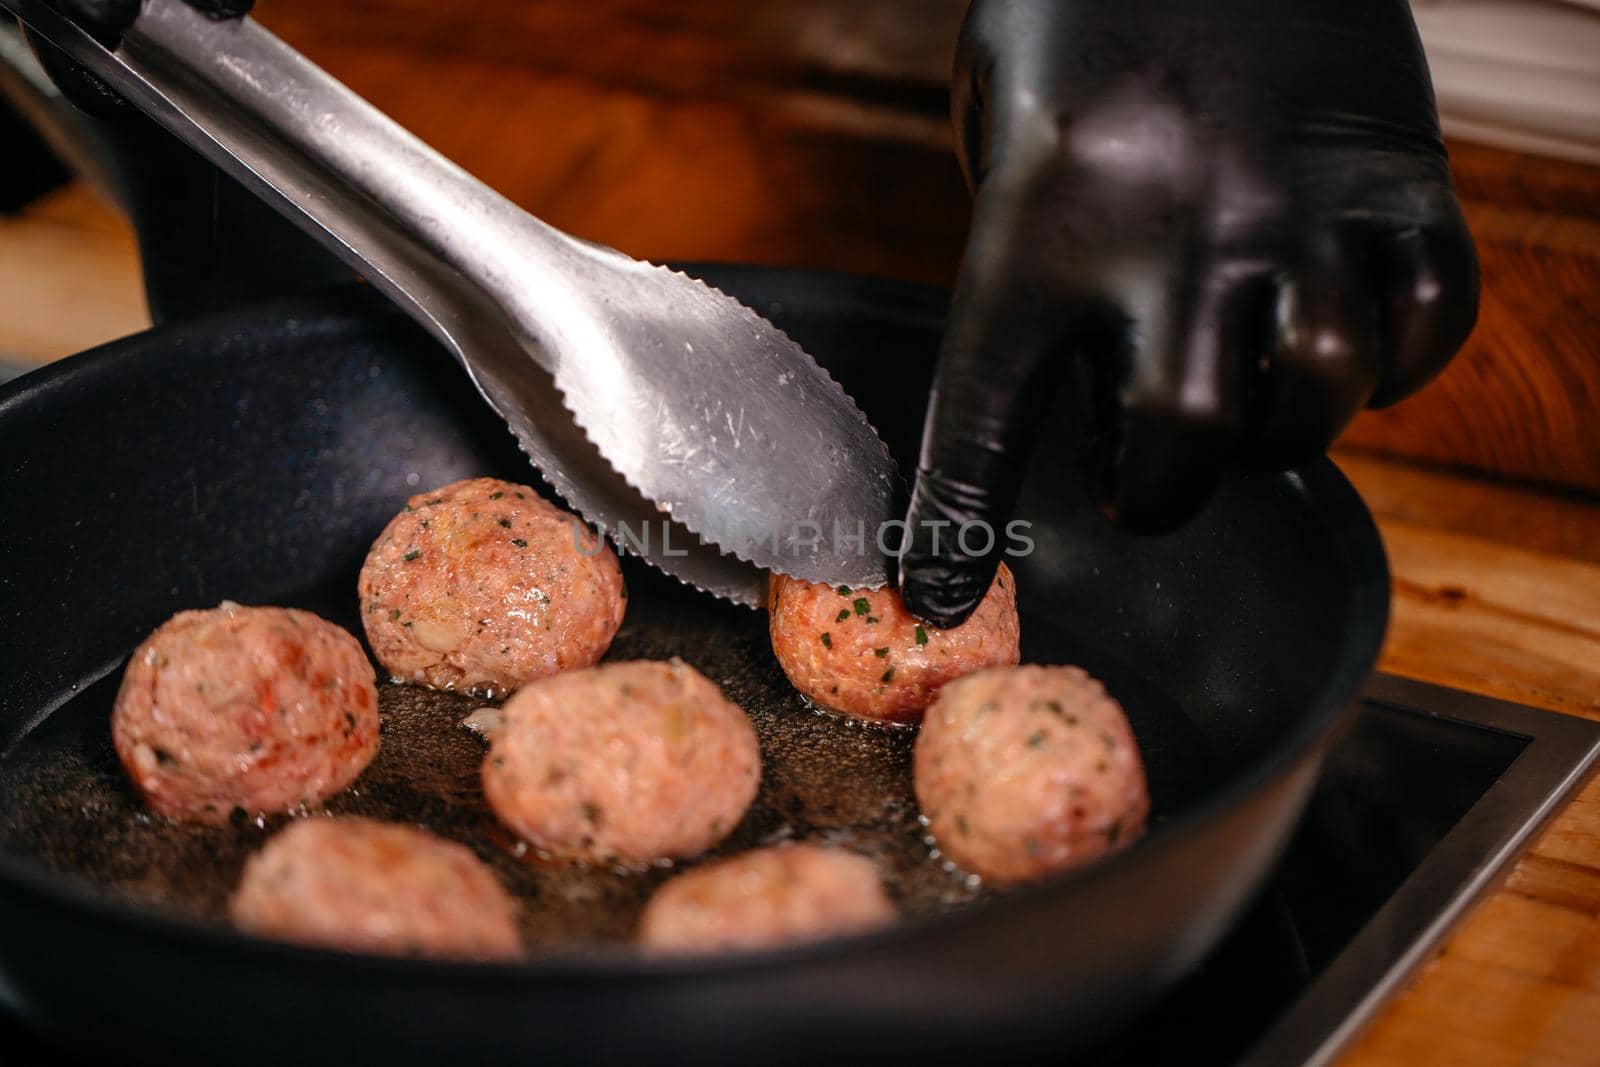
(254, 457)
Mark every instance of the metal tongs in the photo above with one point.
(652, 403)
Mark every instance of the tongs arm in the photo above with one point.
(338, 167)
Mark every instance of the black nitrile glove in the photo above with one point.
(1225, 226)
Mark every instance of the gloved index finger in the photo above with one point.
(995, 379)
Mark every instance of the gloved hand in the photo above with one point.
(1223, 226)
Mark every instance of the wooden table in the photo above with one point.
(1497, 591)
(683, 137)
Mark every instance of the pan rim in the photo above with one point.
(1320, 483)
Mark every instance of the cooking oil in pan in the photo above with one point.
(65, 800)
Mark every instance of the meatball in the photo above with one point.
(483, 585)
(860, 652)
(768, 897)
(240, 709)
(1023, 772)
(632, 762)
(369, 886)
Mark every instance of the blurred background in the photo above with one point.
(815, 133)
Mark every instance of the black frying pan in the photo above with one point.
(254, 455)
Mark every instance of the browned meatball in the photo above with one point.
(245, 709)
(768, 897)
(369, 886)
(859, 651)
(1023, 772)
(631, 762)
(483, 585)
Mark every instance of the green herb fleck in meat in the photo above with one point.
(413, 554)
(862, 605)
(505, 522)
(496, 495)
(922, 636)
(827, 640)
(842, 616)
(844, 590)
(519, 542)
(888, 676)
(880, 652)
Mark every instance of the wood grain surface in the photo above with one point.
(69, 278)
(813, 134)
(1497, 591)
(1521, 399)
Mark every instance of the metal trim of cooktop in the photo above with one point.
(1463, 866)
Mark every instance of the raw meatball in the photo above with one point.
(1023, 772)
(244, 710)
(768, 897)
(632, 762)
(368, 886)
(859, 651)
(482, 586)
